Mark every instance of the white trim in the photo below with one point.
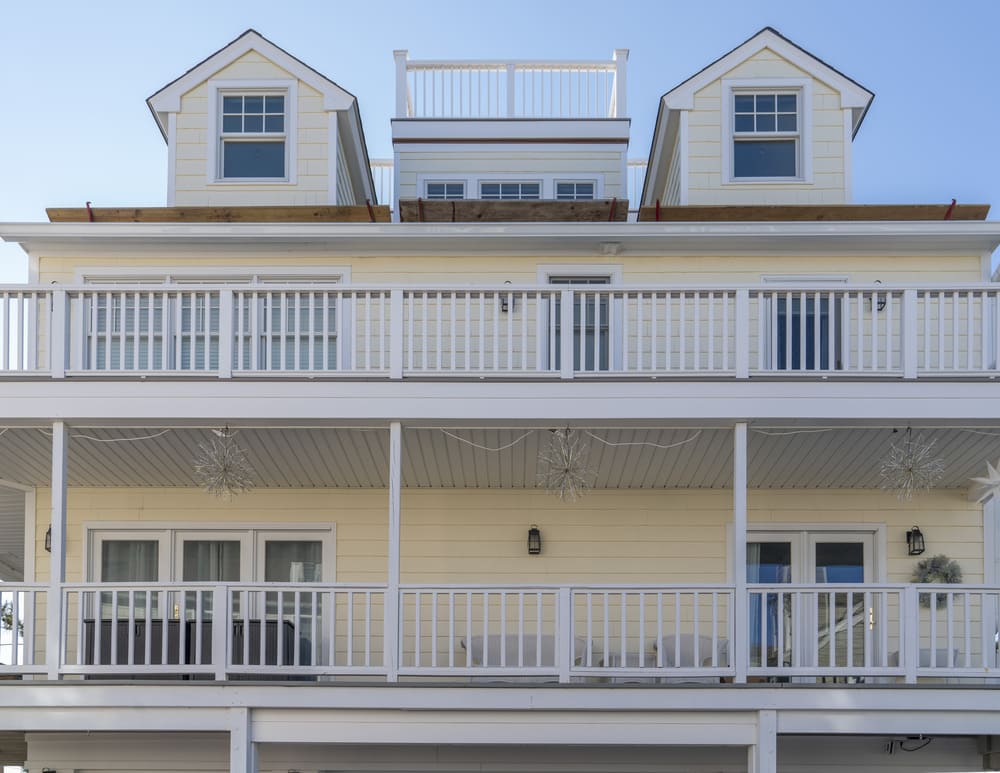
(333, 152)
(804, 148)
(171, 159)
(249, 275)
(848, 158)
(809, 279)
(991, 540)
(554, 147)
(510, 131)
(394, 204)
(30, 532)
(168, 99)
(611, 270)
(684, 159)
(852, 95)
(290, 89)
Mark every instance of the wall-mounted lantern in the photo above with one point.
(915, 542)
(48, 540)
(507, 300)
(534, 541)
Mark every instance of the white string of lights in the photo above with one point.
(487, 448)
(648, 443)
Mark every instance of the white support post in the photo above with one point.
(762, 757)
(58, 334)
(909, 334)
(396, 311)
(566, 647)
(566, 351)
(400, 56)
(620, 58)
(910, 648)
(242, 750)
(226, 333)
(741, 652)
(57, 559)
(391, 641)
(742, 340)
(221, 624)
(511, 101)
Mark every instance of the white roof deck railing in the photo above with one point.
(510, 89)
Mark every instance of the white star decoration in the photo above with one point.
(989, 486)
(222, 467)
(565, 472)
(910, 467)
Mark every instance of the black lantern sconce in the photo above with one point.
(879, 299)
(915, 542)
(48, 540)
(534, 541)
(507, 301)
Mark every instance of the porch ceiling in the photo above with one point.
(493, 457)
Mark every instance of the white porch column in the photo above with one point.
(741, 649)
(242, 749)
(391, 641)
(762, 757)
(400, 56)
(57, 559)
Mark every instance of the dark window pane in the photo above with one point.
(530, 191)
(744, 123)
(130, 561)
(274, 123)
(769, 562)
(232, 123)
(253, 159)
(787, 103)
(743, 103)
(765, 103)
(232, 104)
(454, 190)
(293, 561)
(786, 123)
(490, 190)
(274, 104)
(253, 104)
(253, 123)
(840, 562)
(762, 158)
(765, 123)
(211, 561)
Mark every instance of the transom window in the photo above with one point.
(253, 136)
(766, 134)
(510, 191)
(574, 191)
(449, 191)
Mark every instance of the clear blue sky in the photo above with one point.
(74, 77)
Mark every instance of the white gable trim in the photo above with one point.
(168, 99)
(851, 94)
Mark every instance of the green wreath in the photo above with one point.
(937, 569)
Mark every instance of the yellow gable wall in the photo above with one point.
(484, 269)
(706, 135)
(194, 132)
(478, 536)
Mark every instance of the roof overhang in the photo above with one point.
(664, 238)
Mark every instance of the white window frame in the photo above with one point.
(428, 183)
(219, 88)
(518, 182)
(557, 182)
(802, 87)
(252, 536)
(473, 181)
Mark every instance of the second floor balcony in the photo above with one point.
(547, 332)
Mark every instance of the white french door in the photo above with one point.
(809, 628)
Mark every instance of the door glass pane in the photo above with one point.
(135, 561)
(211, 561)
(293, 561)
(841, 615)
(769, 563)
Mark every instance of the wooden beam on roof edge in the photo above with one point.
(488, 211)
(693, 213)
(301, 214)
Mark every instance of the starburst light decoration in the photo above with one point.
(989, 486)
(221, 467)
(910, 467)
(565, 472)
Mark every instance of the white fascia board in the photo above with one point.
(120, 718)
(168, 99)
(355, 402)
(813, 238)
(852, 95)
(510, 130)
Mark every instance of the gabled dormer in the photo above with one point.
(253, 125)
(768, 123)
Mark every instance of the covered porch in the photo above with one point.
(699, 553)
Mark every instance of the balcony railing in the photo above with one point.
(504, 332)
(510, 89)
(656, 634)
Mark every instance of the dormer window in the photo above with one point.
(253, 137)
(766, 135)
